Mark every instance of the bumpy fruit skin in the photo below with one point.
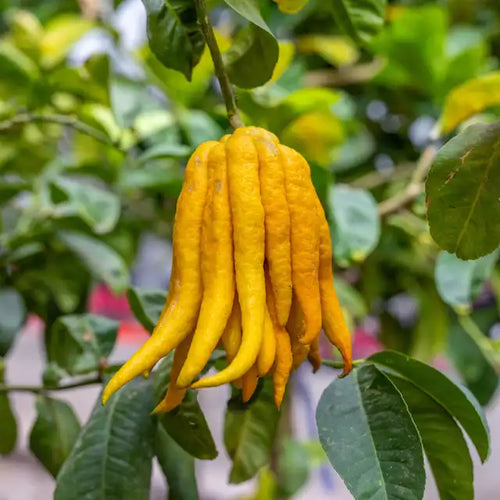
(181, 314)
(334, 324)
(301, 198)
(252, 272)
(217, 268)
(267, 352)
(249, 248)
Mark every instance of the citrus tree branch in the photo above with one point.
(65, 120)
(414, 188)
(220, 71)
(95, 379)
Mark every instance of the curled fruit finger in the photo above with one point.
(182, 312)
(217, 269)
(304, 232)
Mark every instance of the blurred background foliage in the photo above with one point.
(95, 132)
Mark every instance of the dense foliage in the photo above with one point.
(396, 107)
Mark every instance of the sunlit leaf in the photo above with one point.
(59, 36)
(337, 50)
(468, 99)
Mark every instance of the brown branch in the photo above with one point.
(414, 188)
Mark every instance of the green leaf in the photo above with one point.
(249, 433)
(459, 282)
(468, 99)
(12, 317)
(431, 329)
(443, 442)
(293, 468)
(174, 35)
(100, 117)
(177, 465)
(356, 228)
(112, 457)
(164, 151)
(468, 356)
(370, 438)
(146, 305)
(186, 424)
(462, 192)
(249, 9)
(8, 427)
(79, 342)
(59, 36)
(101, 260)
(251, 59)
(459, 403)
(97, 207)
(54, 432)
(129, 98)
(360, 20)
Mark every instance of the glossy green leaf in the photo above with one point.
(443, 442)
(146, 305)
(97, 207)
(186, 424)
(249, 432)
(360, 20)
(459, 282)
(356, 224)
(80, 342)
(177, 465)
(8, 426)
(101, 260)
(12, 317)
(54, 432)
(462, 192)
(174, 34)
(370, 438)
(112, 457)
(459, 403)
(251, 59)
(249, 9)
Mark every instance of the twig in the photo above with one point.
(414, 187)
(375, 179)
(344, 76)
(96, 379)
(65, 120)
(220, 71)
(339, 365)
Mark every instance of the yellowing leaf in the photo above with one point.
(315, 135)
(290, 6)
(468, 99)
(287, 51)
(337, 50)
(60, 34)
